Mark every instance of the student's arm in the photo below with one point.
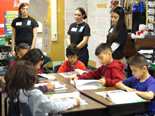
(34, 37)
(62, 68)
(120, 85)
(116, 76)
(68, 40)
(41, 103)
(146, 95)
(13, 41)
(96, 74)
(83, 42)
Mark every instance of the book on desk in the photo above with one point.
(121, 97)
(86, 84)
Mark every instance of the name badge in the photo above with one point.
(74, 29)
(18, 23)
(81, 29)
(28, 22)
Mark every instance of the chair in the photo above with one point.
(56, 68)
(56, 64)
(19, 108)
(47, 61)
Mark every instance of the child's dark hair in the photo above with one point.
(22, 46)
(72, 50)
(103, 47)
(138, 61)
(34, 55)
(121, 23)
(22, 75)
(82, 12)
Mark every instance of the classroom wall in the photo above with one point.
(57, 47)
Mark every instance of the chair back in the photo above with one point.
(19, 109)
(56, 68)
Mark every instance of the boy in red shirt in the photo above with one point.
(111, 70)
(72, 52)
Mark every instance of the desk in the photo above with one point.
(144, 43)
(116, 109)
(91, 109)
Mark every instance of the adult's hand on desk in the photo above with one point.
(78, 101)
(50, 86)
(102, 82)
(74, 78)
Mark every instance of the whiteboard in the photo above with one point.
(38, 9)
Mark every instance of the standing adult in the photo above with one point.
(117, 34)
(24, 29)
(79, 33)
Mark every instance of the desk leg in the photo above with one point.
(1, 103)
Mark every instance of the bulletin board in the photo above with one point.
(6, 5)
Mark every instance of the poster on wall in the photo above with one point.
(38, 9)
(46, 37)
(9, 16)
(6, 5)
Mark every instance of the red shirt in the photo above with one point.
(113, 73)
(65, 67)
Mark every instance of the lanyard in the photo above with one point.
(106, 67)
(141, 84)
(72, 67)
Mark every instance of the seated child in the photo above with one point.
(111, 70)
(23, 90)
(21, 50)
(72, 52)
(142, 83)
(36, 57)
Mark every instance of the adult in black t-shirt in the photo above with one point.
(79, 33)
(117, 34)
(24, 29)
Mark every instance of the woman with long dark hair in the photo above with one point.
(79, 33)
(117, 34)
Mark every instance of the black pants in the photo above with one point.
(84, 56)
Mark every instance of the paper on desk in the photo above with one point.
(68, 74)
(121, 97)
(67, 96)
(58, 86)
(86, 84)
(48, 76)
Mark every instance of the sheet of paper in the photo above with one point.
(48, 76)
(58, 86)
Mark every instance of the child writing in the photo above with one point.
(23, 89)
(142, 83)
(21, 50)
(37, 58)
(72, 52)
(111, 70)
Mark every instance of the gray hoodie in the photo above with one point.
(40, 105)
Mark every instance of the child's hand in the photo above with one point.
(78, 101)
(130, 89)
(50, 86)
(102, 82)
(74, 78)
